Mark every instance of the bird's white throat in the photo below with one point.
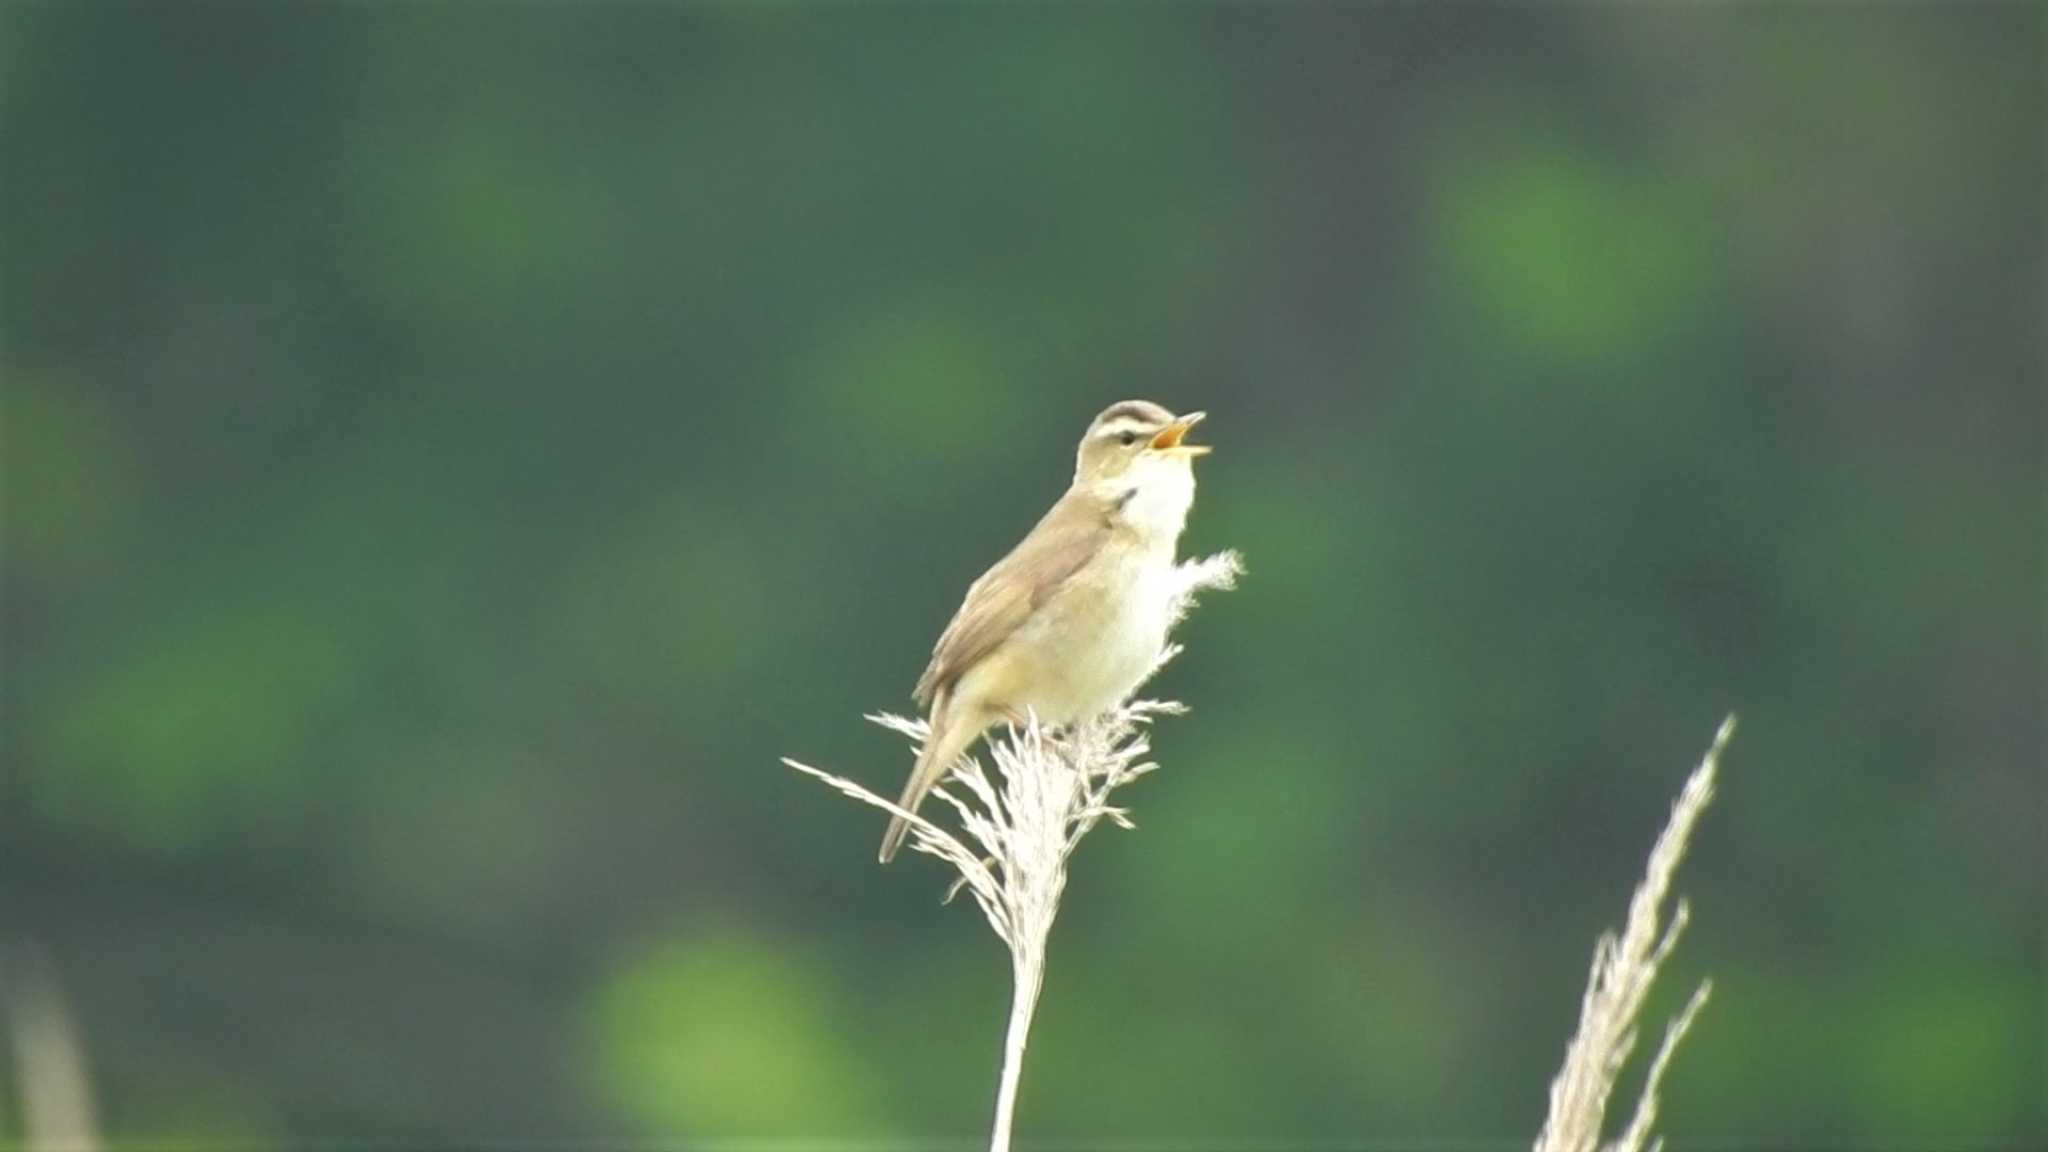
(1157, 493)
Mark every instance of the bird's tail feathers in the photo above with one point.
(945, 744)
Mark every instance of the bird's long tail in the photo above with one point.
(950, 736)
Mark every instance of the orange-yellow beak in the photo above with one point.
(1169, 438)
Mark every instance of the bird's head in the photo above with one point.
(1134, 438)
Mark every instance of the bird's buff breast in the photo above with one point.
(1089, 647)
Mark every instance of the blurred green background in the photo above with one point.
(451, 451)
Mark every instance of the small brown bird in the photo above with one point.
(1068, 623)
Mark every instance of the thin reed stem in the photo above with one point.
(1029, 975)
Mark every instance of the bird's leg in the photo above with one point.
(1015, 718)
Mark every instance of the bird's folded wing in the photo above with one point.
(1006, 595)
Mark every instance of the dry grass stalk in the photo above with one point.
(53, 1085)
(1019, 826)
(1624, 967)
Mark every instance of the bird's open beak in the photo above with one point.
(1169, 438)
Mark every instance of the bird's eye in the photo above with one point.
(1127, 439)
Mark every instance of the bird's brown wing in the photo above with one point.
(1007, 594)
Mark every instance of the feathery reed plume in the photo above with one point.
(1623, 969)
(1018, 829)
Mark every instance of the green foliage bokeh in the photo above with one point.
(452, 451)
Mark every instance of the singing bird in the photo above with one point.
(1067, 624)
